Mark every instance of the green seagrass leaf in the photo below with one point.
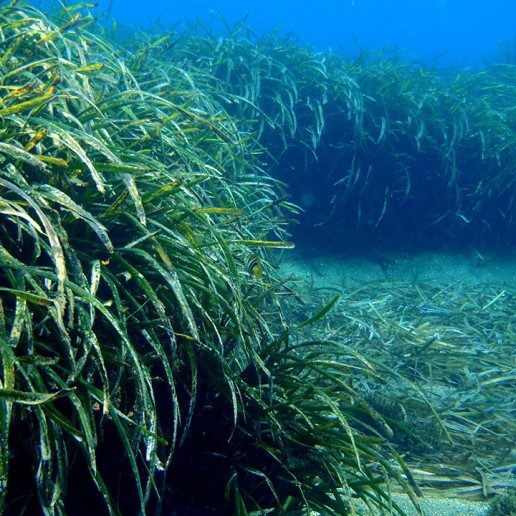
(32, 398)
(28, 296)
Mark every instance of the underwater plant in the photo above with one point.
(139, 354)
(399, 151)
(503, 505)
(445, 354)
(152, 358)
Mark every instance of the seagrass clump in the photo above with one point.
(374, 148)
(144, 365)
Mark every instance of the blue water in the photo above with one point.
(451, 32)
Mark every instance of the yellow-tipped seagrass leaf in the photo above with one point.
(265, 243)
(28, 296)
(234, 212)
(28, 104)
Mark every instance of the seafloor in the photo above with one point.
(443, 268)
(431, 295)
(435, 506)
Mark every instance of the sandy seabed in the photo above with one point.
(339, 272)
(336, 271)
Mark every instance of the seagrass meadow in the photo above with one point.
(154, 358)
(375, 149)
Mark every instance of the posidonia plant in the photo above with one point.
(152, 358)
(145, 367)
(398, 151)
